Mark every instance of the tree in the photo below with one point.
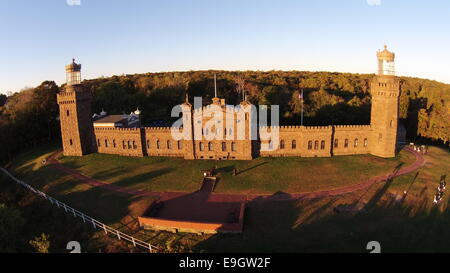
(41, 243)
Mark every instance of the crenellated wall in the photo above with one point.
(304, 141)
(351, 139)
(158, 141)
(121, 141)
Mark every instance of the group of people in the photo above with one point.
(440, 191)
(421, 149)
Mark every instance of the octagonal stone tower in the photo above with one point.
(385, 89)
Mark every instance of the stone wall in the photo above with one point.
(120, 141)
(351, 139)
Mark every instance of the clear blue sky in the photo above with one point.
(113, 37)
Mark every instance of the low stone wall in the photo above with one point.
(193, 227)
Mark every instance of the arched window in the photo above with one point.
(346, 143)
(233, 146)
(106, 143)
(224, 146)
(316, 145)
(169, 144)
(68, 113)
(356, 142)
(148, 144)
(201, 146)
(322, 145)
(98, 142)
(129, 144)
(336, 143)
(123, 144)
(210, 146)
(310, 145)
(134, 145)
(365, 142)
(282, 144)
(70, 142)
(157, 144)
(114, 143)
(294, 144)
(180, 144)
(270, 145)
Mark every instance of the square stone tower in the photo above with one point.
(75, 115)
(385, 89)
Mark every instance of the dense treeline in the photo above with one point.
(29, 118)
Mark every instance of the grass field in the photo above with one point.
(413, 225)
(261, 175)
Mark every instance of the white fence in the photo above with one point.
(86, 219)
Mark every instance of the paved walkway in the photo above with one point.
(215, 197)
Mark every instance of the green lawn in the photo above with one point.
(270, 226)
(261, 175)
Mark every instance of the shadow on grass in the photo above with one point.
(313, 226)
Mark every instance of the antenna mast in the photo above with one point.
(215, 86)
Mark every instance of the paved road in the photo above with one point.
(215, 197)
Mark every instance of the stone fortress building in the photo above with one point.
(84, 133)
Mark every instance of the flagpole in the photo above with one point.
(302, 107)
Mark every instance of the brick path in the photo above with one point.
(214, 197)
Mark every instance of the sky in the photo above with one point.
(114, 37)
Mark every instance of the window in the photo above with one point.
(336, 143)
(202, 146)
(157, 144)
(106, 143)
(114, 143)
(346, 143)
(148, 144)
(224, 146)
(134, 145)
(68, 113)
(282, 144)
(98, 143)
(70, 142)
(294, 144)
(365, 142)
(233, 146)
(169, 144)
(230, 132)
(356, 142)
(129, 144)
(180, 144)
(210, 146)
(123, 144)
(316, 145)
(322, 145)
(310, 145)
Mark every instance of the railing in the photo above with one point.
(86, 219)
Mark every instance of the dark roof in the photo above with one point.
(110, 119)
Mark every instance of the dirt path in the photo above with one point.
(242, 197)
